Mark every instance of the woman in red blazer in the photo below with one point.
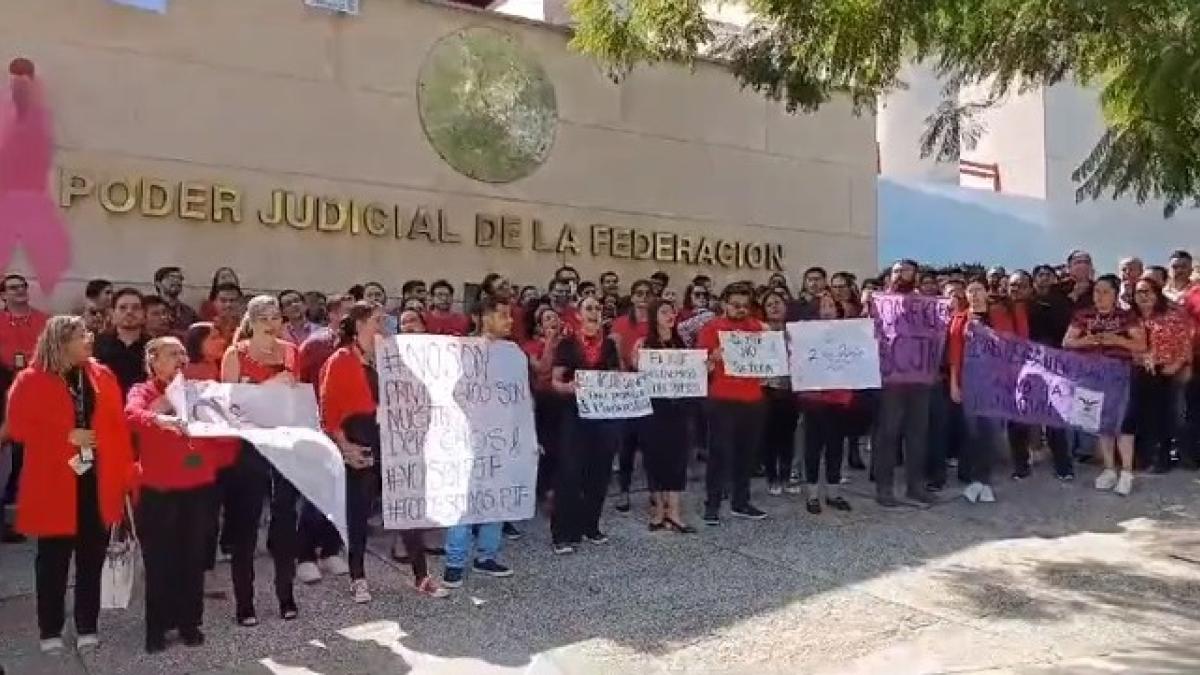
(79, 467)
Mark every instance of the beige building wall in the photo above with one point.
(259, 95)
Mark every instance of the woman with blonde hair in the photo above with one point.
(174, 511)
(66, 410)
(259, 355)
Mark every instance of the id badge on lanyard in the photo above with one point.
(85, 458)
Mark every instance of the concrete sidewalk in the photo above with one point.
(1054, 578)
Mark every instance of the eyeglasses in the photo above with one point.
(16, 287)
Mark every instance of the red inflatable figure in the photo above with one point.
(28, 216)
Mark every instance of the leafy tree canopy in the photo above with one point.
(1142, 55)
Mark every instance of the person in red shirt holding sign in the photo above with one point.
(174, 509)
(1169, 334)
(985, 435)
(1107, 330)
(826, 425)
(735, 412)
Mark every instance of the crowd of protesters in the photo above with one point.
(88, 422)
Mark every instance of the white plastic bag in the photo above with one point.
(121, 564)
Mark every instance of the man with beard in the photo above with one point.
(903, 418)
(123, 348)
(169, 283)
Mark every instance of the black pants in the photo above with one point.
(414, 548)
(219, 534)
(547, 417)
(735, 432)
(1022, 436)
(316, 536)
(1156, 423)
(53, 562)
(903, 423)
(584, 471)
(779, 434)
(172, 526)
(630, 443)
(253, 480)
(824, 437)
(358, 510)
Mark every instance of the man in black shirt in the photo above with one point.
(1050, 313)
(123, 348)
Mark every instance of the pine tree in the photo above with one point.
(1142, 55)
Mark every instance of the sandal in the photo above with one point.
(677, 527)
(657, 527)
(814, 506)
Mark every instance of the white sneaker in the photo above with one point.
(1125, 484)
(362, 595)
(973, 492)
(52, 646)
(794, 488)
(1107, 480)
(308, 573)
(986, 496)
(774, 490)
(334, 565)
(86, 643)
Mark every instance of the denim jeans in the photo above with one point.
(459, 538)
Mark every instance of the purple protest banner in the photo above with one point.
(1010, 378)
(912, 335)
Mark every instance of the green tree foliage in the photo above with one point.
(1142, 55)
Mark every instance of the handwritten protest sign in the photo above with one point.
(456, 420)
(748, 354)
(1014, 379)
(839, 354)
(282, 422)
(611, 395)
(674, 373)
(911, 330)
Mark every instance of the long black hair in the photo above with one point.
(348, 326)
(653, 339)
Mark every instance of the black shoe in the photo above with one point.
(656, 527)
(935, 487)
(712, 517)
(288, 610)
(246, 617)
(191, 637)
(156, 643)
(596, 537)
(623, 504)
(511, 532)
(838, 503)
(813, 506)
(749, 512)
(1022, 474)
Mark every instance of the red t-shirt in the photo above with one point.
(252, 371)
(19, 334)
(722, 387)
(1117, 322)
(438, 322)
(628, 333)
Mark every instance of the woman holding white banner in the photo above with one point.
(349, 402)
(826, 423)
(1108, 330)
(260, 355)
(665, 449)
(174, 513)
(585, 463)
